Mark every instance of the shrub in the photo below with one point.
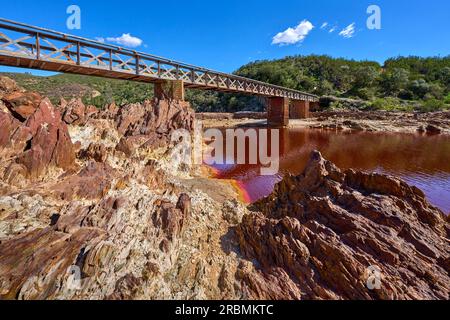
(432, 105)
(447, 99)
(386, 104)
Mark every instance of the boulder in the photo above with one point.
(109, 112)
(156, 116)
(51, 144)
(433, 129)
(95, 151)
(7, 86)
(13, 136)
(22, 104)
(75, 112)
(42, 142)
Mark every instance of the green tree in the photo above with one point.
(392, 82)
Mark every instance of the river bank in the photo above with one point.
(376, 121)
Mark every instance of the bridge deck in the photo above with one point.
(37, 48)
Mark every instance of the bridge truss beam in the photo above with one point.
(36, 48)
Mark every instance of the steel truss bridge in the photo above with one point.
(27, 46)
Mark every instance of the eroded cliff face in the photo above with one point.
(90, 210)
(320, 234)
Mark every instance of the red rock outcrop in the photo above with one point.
(109, 112)
(22, 104)
(95, 151)
(155, 120)
(76, 112)
(322, 234)
(148, 125)
(32, 136)
(13, 136)
(92, 182)
(7, 86)
(94, 240)
(50, 145)
(110, 230)
(26, 274)
(171, 219)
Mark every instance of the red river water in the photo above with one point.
(423, 161)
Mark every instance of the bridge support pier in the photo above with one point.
(315, 106)
(299, 109)
(278, 111)
(169, 90)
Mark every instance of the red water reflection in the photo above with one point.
(423, 161)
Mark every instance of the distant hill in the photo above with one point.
(101, 91)
(403, 83)
(93, 90)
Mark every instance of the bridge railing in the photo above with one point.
(75, 54)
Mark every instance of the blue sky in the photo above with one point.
(225, 35)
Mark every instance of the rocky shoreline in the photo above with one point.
(422, 123)
(345, 120)
(92, 206)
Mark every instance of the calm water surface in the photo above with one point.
(423, 161)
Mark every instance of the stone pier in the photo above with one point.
(314, 106)
(299, 109)
(278, 111)
(169, 90)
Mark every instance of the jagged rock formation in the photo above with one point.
(22, 104)
(106, 224)
(33, 138)
(8, 86)
(93, 207)
(318, 233)
(152, 120)
(75, 112)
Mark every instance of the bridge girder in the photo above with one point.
(28, 46)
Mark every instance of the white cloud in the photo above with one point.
(327, 27)
(126, 40)
(100, 39)
(293, 35)
(348, 32)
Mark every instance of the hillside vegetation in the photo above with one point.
(93, 90)
(403, 83)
